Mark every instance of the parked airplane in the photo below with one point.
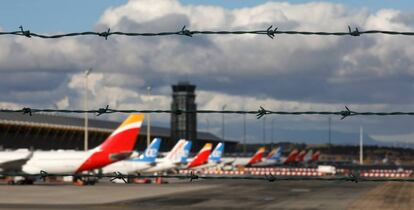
(145, 161)
(173, 159)
(273, 158)
(214, 158)
(117, 146)
(242, 161)
(202, 157)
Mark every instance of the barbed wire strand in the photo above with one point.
(192, 176)
(270, 32)
(259, 113)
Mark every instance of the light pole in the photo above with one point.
(85, 143)
(149, 118)
(208, 125)
(272, 134)
(222, 121)
(329, 137)
(361, 146)
(244, 134)
(264, 131)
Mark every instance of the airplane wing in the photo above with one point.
(15, 164)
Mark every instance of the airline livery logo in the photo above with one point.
(183, 153)
(174, 155)
(151, 152)
(217, 153)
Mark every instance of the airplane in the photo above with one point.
(214, 158)
(291, 158)
(273, 158)
(242, 161)
(116, 147)
(173, 159)
(144, 161)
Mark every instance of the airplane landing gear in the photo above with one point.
(82, 181)
(20, 181)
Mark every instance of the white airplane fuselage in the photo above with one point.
(210, 164)
(267, 162)
(163, 165)
(56, 161)
(126, 167)
(237, 161)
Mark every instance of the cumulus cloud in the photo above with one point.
(371, 72)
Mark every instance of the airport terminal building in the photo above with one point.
(53, 132)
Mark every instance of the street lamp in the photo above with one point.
(272, 134)
(222, 121)
(244, 134)
(208, 125)
(264, 131)
(149, 117)
(85, 143)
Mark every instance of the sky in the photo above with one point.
(289, 73)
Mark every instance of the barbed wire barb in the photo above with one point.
(25, 33)
(102, 111)
(120, 176)
(105, 34)
(354, 32)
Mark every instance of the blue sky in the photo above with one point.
(80, 15)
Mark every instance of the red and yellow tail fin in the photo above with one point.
(257, 157)
(124, 137)
(202, 156)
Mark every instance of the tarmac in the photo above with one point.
(212, 194)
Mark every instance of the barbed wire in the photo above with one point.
(270, 32)
(192, 176)
(259, 113)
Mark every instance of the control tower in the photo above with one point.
(184, 125)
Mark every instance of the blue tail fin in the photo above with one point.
(277, 154)
(215, 156)
(186, 151)
(151, 152)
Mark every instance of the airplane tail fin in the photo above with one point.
(257, 157)
(275, 154)
(292, 156)
(315, 156)
(150, 154)
(202, 156)
(308, 156)
(186, 151)
(215, 156)
(123, 139)
(176, 152)
(300, 157)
